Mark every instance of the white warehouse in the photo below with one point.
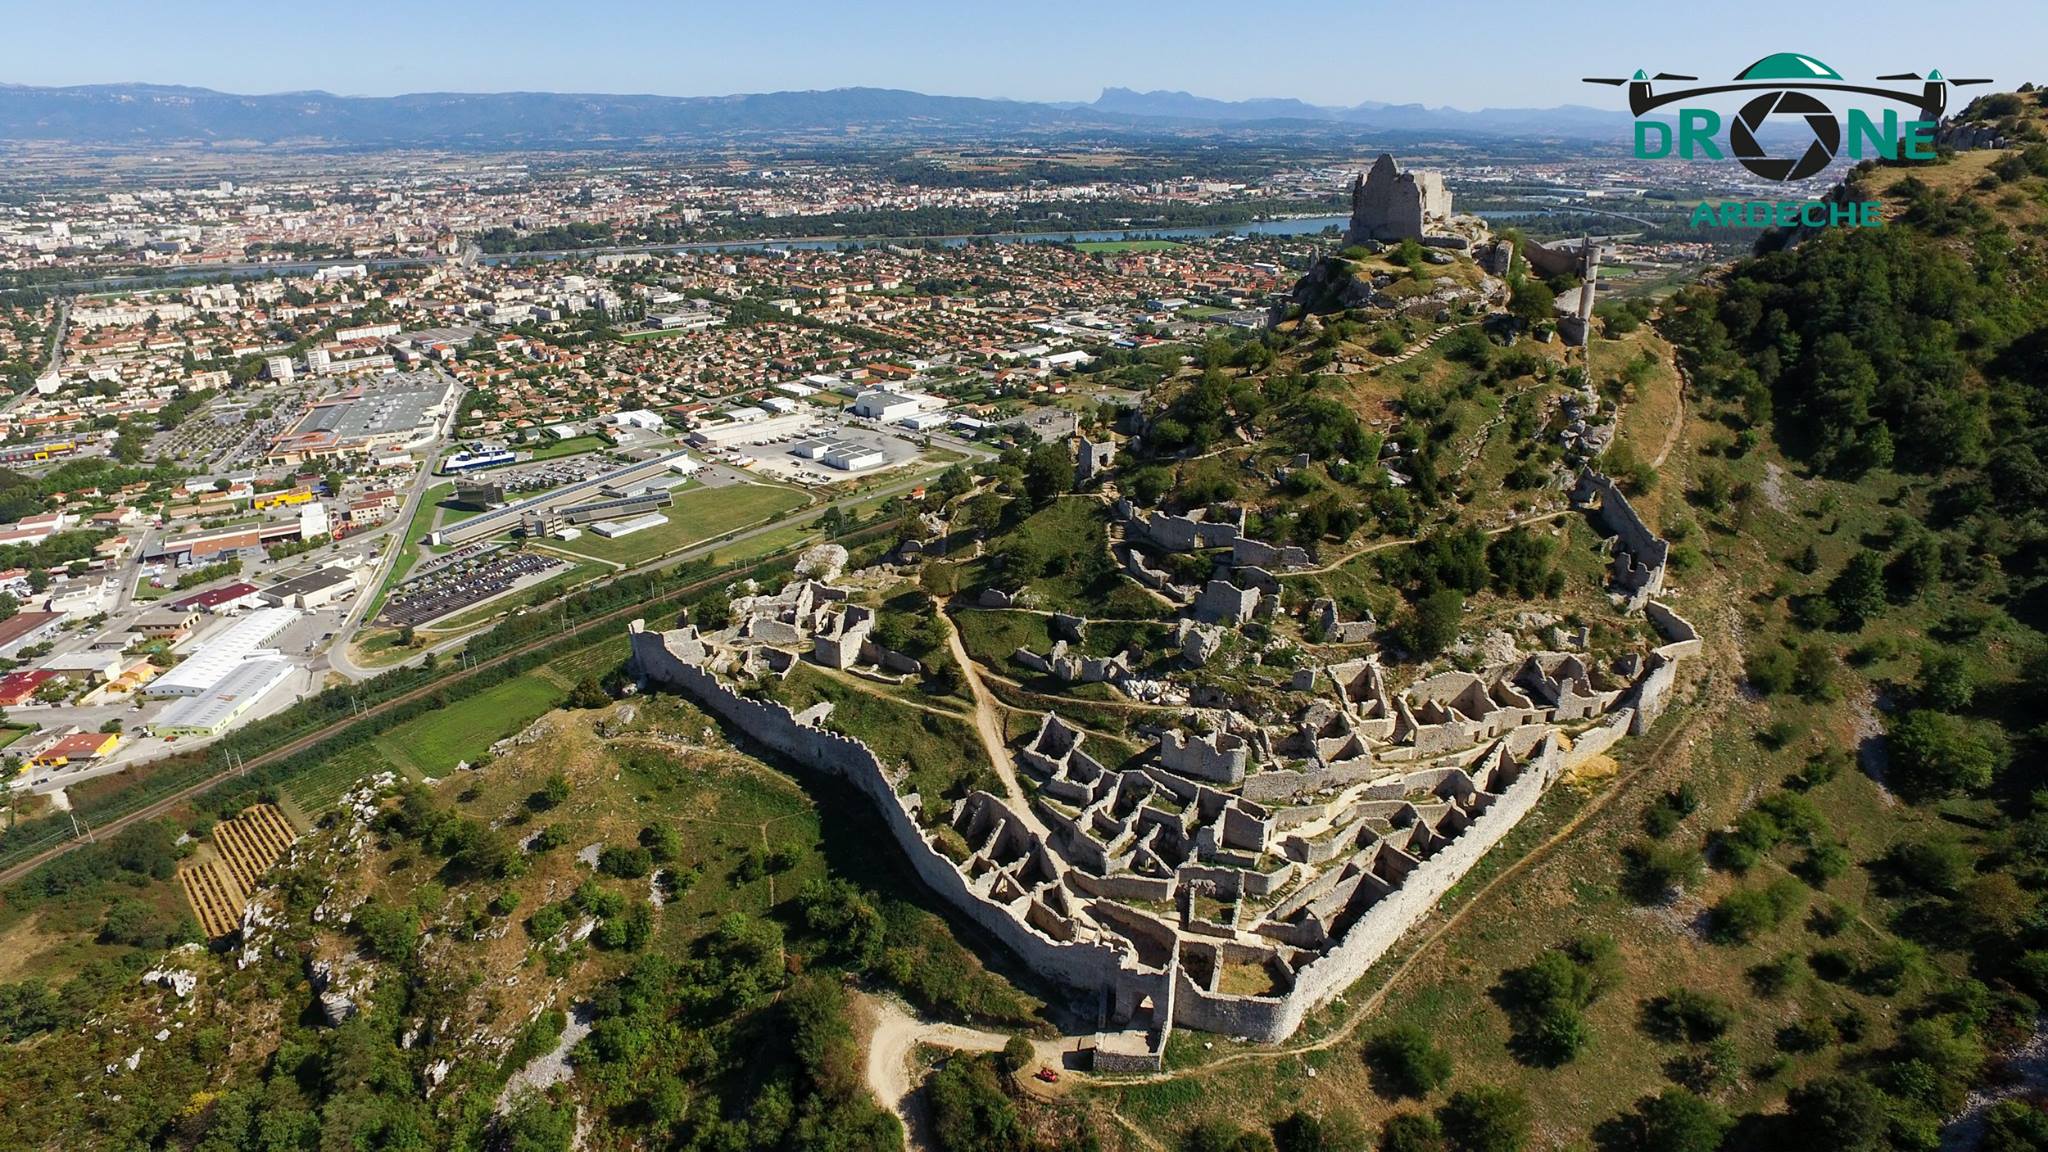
(214, 659)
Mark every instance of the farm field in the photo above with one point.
(315, 790)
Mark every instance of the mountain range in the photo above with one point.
(153, 114)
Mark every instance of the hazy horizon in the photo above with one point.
(1061, 51)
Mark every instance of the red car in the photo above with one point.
(1046, 1074)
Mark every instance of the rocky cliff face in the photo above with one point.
(1335, 284)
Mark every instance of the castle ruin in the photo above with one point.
(1389, 205)
(1256, 858)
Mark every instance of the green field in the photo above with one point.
(698, 514)
(573, 446)
(1115, 246)
(466, 729)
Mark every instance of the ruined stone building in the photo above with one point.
(1390, 205)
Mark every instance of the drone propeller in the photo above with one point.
(1616, 80)
(1983, 80)
(1901, 76)
(1674, 76)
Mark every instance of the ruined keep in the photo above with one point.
(1389, 205)
(1254, 859)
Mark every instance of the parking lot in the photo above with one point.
(546, 475)
(467, 582)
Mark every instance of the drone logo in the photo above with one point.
(1786, 83)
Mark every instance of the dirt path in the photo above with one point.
(1677, 421)
(988, 724)
(1382, 545)
(894, 1042)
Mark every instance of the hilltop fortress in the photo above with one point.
(1260, 855)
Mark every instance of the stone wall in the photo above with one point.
(1082, 965)
(1598, 739)
(1681, 638)
(1639, 554)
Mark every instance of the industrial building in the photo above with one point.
(27, 629)
(759, 427)
(550, 522)
(218, 655)
(885, 406)
(845, 455)
(315, 589)
(215, 711)
(212, 547)
(619, 483)
(613, 529)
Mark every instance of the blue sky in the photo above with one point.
(1511, 54)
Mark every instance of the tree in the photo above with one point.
(1839, 1113)
(1485, 1118)
(1534, 303)
(1304, 1132)
(550, 794)
(1048, 473)
(535, 1125)
(1405, 1063)
(2015, 1126)
(588, 693)
(1675, 1120)
(1223, 1136)
(1945, 681)
(1934, 754)
(1411, 1132)
(712, 611)
(1687, 1015)
(9, 606)
(1857, 593)
(970, 1113)
(1434, 623)
(1018, 1054)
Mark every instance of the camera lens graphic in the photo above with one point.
(1827, 136)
